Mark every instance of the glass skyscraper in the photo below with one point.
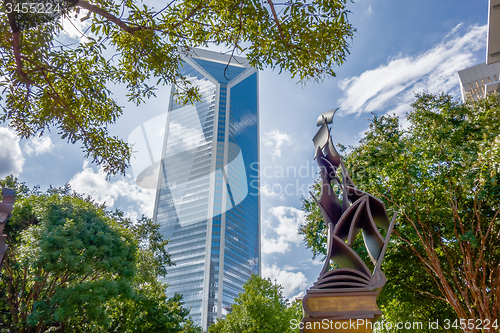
(207, 200)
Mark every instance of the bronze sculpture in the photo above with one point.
(349, 291)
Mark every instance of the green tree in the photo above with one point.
(73, 267)
(49, 84)
(65, 259)
(260, 308)
(190, 327)
(441, 173)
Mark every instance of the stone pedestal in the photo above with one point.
(340, 312)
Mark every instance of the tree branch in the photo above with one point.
(275, 16)
(102, 12)
(237, 39)
(278, 24)
(16, 44)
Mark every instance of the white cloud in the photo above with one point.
(455, 29)
(274, 245)
(38, 145)
(289, 221)
(11, 157)
(299, 295)
(275, 139)
(95, 184)
(315, 262)
(391, 87)
(290, 281)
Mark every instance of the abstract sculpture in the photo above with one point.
(348, 292)
(5, 210)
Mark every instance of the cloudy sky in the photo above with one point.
(401, 47)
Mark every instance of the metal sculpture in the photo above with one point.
(6, 206)
(350, 290)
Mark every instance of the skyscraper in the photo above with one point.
(207, 201)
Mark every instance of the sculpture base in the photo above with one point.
(340, 311)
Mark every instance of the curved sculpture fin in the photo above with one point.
(345, 257)
(331, 153)
(354, 193)
(386, 242)
(326, 116)
(325, 215)
(326, 266)
(326, 166)
(342, 228)
(378, 213)
(357, 221)
(321, 138)
(362, 221)
(329, 200)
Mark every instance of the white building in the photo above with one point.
(480, 80)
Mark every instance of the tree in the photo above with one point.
(71, 266)
(441, 173)
(148, 310)
(260, 308)
(65, 259)
(51, 85)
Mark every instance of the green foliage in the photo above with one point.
(261, 308)
(441, 173)
(152, 252)
(13, 183)
(68, 260)
(47, 84)
(190, 327)
(73, 267)
(314, 231)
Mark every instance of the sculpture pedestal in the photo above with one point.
(340, 311)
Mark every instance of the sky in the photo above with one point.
(401, 47)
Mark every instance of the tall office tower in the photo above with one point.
(483, 79)
(207, 202)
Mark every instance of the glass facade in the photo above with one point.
(207, 203)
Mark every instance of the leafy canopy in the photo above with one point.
(74, 267)
(47, 84)
(65, 259)
(260, 308)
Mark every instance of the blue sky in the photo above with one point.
(400, 47)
